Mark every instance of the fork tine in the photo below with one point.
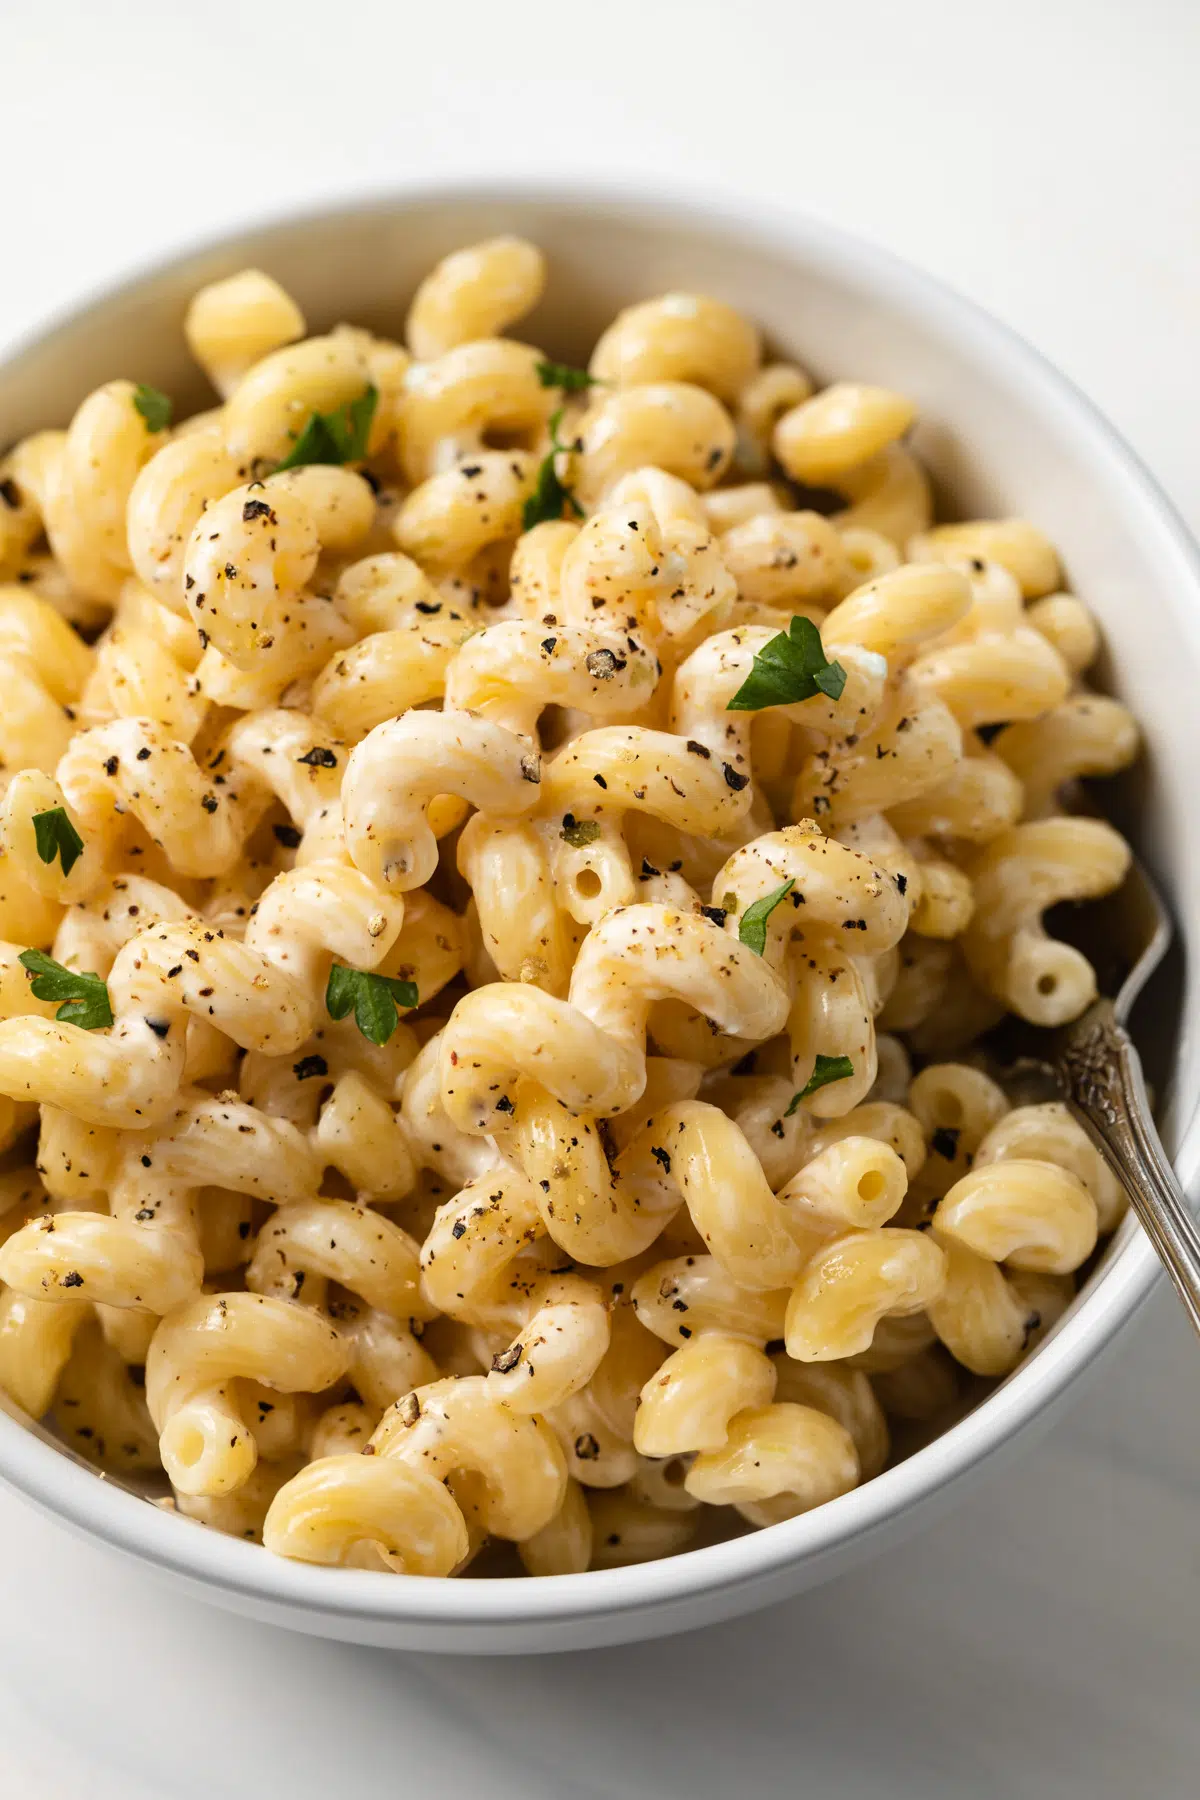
(1147, 923)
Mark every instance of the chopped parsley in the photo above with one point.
(562, 375)
(752, 926)
(375, 1000)
(154, 406)
(56, 836)
(339, 436)
(578, 832)
(550, 495)
(84, 996)
(791, 667)
(825, 1070)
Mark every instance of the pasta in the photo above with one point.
(504, 867)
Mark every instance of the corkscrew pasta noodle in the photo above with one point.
(503, 865)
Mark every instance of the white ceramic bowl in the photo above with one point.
(1002, 433)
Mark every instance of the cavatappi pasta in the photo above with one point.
(504, 869)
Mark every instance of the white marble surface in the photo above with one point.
(1042, 1643)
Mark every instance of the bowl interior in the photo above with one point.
(1000, 432)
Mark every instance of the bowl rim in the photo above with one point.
(34, 1465)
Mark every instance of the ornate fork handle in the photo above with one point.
(1101, 1075)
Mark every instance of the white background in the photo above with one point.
(1043, 155)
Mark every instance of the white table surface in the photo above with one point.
(1043, 1642)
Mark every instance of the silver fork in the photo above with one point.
(1097, 1070)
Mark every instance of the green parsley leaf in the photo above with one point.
(339, 436)
(84, 997)
(578, 832)
(792, 667)
(825, 1070)
(375, 999)
(56, 836)
(550, 495)
(562, 375)
(155, 407)
(752, 926)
